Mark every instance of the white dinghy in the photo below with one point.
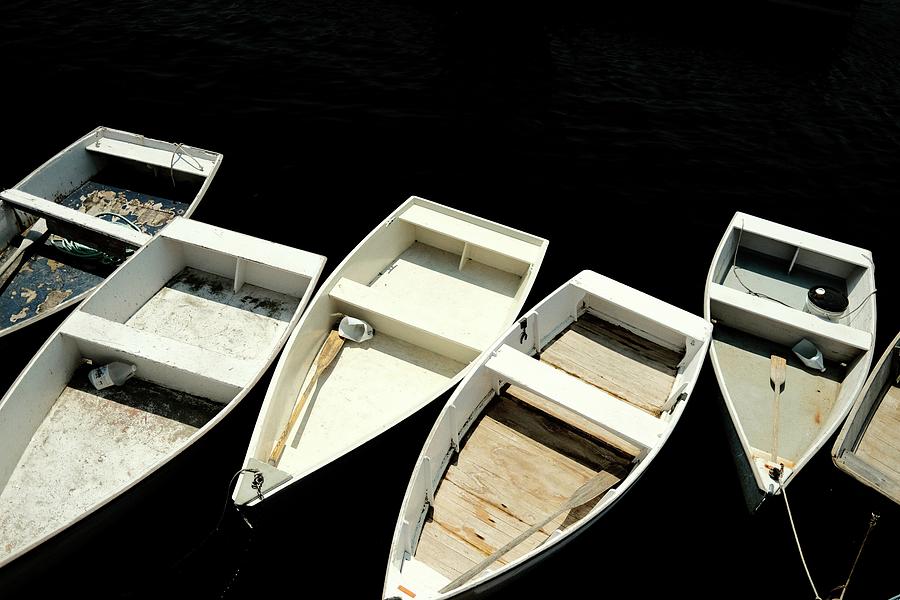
(437, 285)
(200, 313)
(868, 447)
(794, 317)
(550, 428)
(65, 227)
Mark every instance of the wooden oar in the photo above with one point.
(9, 268)
(329, 350)
(595, 486)
(777, 376)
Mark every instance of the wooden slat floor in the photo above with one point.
(526, 455)
(880, 444)
(517, 465)
(616, 360)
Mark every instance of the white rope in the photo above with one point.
(797, 539)
(734, 269)
(179, 153)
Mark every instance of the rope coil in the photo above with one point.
(89, 252)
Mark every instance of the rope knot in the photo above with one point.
(258, 480)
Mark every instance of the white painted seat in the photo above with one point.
(260, 262)
(161, 359)
(470, 233)
(153, 156)
(54, 212)
(803, 239)
(786, 325)
(639, 308)
(599, 407)
(406, 320)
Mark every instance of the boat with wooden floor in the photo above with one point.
(65, 227)
(554, 424)
(868, 446)
(794, 317)
(437, 285)
(200, 313)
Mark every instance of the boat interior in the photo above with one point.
(524, 454)
(198, 322)
(870, 446)
(437, 286)
(758, 303)
(102, 177)
(591, 395)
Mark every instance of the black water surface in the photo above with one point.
(628, 135)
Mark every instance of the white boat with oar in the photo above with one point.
(186, 327)
(868, 446)
(794, 317)
(551, 427)
(428, 290)
(65, 227)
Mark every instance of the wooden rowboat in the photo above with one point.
(201, 312)
(437, 285)
(762, 295)
(550, 428)
(868, 446)
(65, 227)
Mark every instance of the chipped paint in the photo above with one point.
(150, 213)
(51, 287)
(147, 212)
(54, 276)
(54, 298)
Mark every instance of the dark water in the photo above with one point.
(627, 135)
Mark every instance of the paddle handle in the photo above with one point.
(321, 365)
(778, 369)
(484, 564)
(8, 268)
(278, 450)
(595, 486)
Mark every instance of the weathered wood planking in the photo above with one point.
(574, 420)
(557, 435)
(880, 444)
(615, 360)
(516, 466)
